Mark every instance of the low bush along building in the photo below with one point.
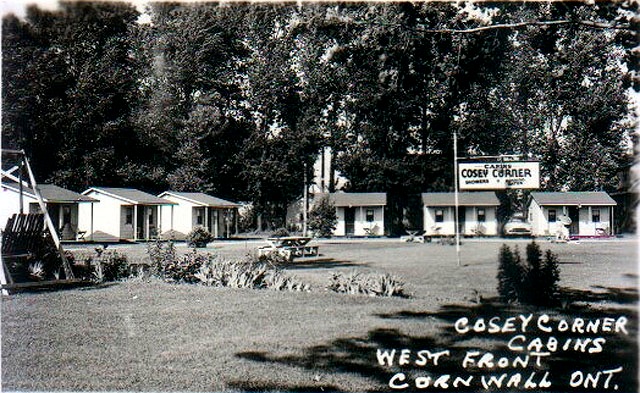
(591, 213)
(192, 209)
(62, 206)
(477, 213)
(359, 213)
(122, 214)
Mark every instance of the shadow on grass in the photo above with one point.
(322, 263)
(601, 294)
(245, 386)
(79, 286)
(573, 357)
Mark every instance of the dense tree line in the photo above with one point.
(237, 99)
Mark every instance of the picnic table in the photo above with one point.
(289, 247)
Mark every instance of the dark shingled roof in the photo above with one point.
(51, 193)
(349, 199)
(480, 198)
(131, 195)
(574, 198)
(201, 199)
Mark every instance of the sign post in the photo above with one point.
(492, 173)
(455, 195)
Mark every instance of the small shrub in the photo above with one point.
(280, 232)
(199, 237)
(36, 271)
(385, 285)
(535, 282)
(373, 284)
(184, 268)
(160, 254)
(217, 272)
(274, 259)
(278, 281)
(115, 266)
(101, 266)
(323, 218)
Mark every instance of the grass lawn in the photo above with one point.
(149, 335)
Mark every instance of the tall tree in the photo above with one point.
(567, 104)
(70, 82)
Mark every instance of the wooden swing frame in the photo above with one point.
(24, 227)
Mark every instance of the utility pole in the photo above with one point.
(305, 202)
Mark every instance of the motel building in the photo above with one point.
(63, 206)
(196, 209)
(359, 213)
(477, 213)
(591, 213)
(122, 214)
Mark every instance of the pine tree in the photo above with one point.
(530, 288)
(509, 274)
(549, 277)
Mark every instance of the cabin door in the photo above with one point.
(462, 215)
(349, 221)
(574, 215)
(140, 224)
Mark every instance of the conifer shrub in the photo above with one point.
(510, 272)
(534, 282)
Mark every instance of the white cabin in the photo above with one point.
(191, 209)
(62, 205)
(122, 214)
(359, 213)
(591, 213)
(477, 213)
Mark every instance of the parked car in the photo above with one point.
(517, 225)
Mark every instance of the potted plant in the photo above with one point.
(199, 237)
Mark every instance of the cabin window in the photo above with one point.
(128, 216)
(199, 217)
(370, 215)
(439, 215)
(552, 215)
(482, 216)
(595, 215)
(151, 216)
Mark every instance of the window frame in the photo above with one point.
(128, 215)
(481, 215)
(438, 215)
(370, 215)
